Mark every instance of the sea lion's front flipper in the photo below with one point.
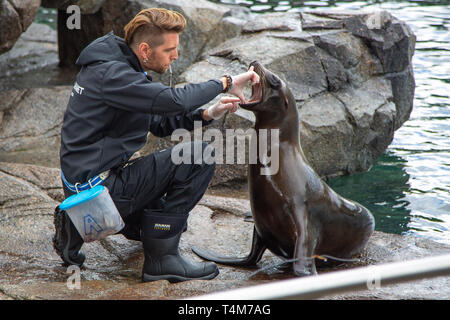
(255, 255)
(304, 264)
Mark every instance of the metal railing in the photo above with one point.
(363, 278)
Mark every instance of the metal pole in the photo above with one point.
(363, 278)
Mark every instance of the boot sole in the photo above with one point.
(60, 239)
(175, 278)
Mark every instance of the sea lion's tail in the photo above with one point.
(255, 255)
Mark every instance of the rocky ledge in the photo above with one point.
(32, 270)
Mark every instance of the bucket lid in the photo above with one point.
(81, 197)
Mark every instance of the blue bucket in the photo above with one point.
(93, 213)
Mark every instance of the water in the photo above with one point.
(408, 189)
(46, 16)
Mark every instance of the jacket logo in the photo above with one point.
(162, 226)
(78, 89)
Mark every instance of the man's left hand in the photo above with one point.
(217, 110)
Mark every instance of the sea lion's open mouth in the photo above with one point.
(256, 94)
(257, 88)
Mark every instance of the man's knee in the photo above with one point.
(209, 155)
(195, 152)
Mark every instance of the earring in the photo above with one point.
(145, 60)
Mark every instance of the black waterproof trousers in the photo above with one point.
(157, 183)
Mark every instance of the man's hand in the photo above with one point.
(217, 110)
(240, 81)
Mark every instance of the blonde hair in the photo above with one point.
(150, 24)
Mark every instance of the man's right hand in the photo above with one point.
(241, 80)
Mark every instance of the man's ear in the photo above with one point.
(145, 51)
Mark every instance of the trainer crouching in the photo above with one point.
(113, 105)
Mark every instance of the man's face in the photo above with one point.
(162, 56)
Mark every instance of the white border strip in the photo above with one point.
(363, 278)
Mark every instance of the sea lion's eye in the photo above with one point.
(274, 81)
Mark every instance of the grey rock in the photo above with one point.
(350, 101)
(283, 56)
(311, 21)
(392, 40)
(273, 22)
(32, 270)
(36, 48)
(403, 86)
(15, 17)
(229, 27)
(324, 125)
(31, 125)
(33, 61)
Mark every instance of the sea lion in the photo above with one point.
(296, 214)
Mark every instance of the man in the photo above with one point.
(113, 105)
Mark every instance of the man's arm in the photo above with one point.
(126, 89)
(163, 126)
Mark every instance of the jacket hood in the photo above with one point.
(108, 48)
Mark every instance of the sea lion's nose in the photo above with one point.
(254, 63)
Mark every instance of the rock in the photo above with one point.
(360, 120)
(44, 178)
(273, 22)
(351, 94)
(31, 125)
(312, 21)
(15, 17)
(403, 86)
(392, 40)
(32, 270)
(230, 26)
(33, 61)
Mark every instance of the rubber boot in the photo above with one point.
(67, 241)
(162, 261)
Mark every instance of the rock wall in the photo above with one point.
(15, 17)
(30, 125)
(352, 80)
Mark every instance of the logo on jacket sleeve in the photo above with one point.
(77, 89)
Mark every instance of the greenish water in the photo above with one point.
(46, 16)
(408, 189)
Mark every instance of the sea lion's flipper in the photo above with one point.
(304, 264)
(255, 255)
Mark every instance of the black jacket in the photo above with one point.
(114, 104)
